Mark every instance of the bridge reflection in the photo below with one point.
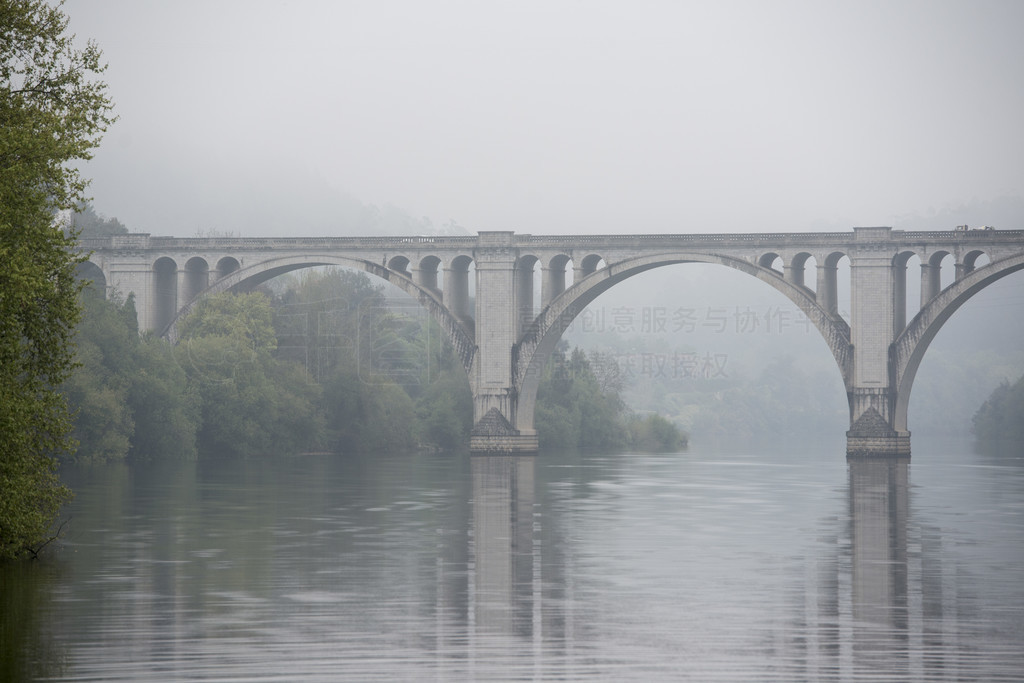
(503, 576)
(876, 603)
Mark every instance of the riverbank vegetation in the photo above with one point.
(53, 112)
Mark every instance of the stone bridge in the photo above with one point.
(507, 335)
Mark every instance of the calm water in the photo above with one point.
(706, 565)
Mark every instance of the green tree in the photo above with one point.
(130, 397)
(52, 113)
(252, 403)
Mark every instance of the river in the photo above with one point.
(716, 564)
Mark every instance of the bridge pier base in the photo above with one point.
(508, 444)
(896, 445)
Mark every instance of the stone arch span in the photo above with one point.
(540, 340)
(244, 279)
(910, 346)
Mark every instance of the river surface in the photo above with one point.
(712, 564)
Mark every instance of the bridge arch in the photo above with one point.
(87, 270)
(798, 268)
(590, 264)
(245, 279)
(768, 260)
(226, 266)
(910, 346)
(197, 277)
(540, 340)
(165, 291)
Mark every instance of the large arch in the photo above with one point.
(910, 346)
(245, 279)
(542, 337)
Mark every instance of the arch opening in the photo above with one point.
(197, 277)
(427, 274)
(526, 299)
(833, 290)
(906, 289)
(912, 345)
(457, 295)
(400, 264)
(798, 271)
(94, 274)
(541, 340)
(591, 264)
(773, 262)
(557, 277)
(973, 260)
(226, 266)
(165, 292)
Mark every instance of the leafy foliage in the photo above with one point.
(51, 114)
(251, 402)
(129, 394)
(578, 408)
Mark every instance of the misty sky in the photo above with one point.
(318, 118)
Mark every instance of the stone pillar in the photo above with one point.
(899, 293)
(872, 331)
(456, 291)
(552, 284)
(930, 282)
(524, 298)
(793, 274)
(827, 291)
(494, 394)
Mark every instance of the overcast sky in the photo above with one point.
(297, 118)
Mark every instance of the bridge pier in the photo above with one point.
(495, 398)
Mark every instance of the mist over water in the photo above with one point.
(714, 564)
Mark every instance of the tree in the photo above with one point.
(252, 403)
(52, 113)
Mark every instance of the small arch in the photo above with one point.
(591, 264)
(906, 288)
(936, 275)
(974, 259)
(526, 299)
(833, 292)
(400, 264)
(93, 274)
(226, 266)
(798, 268)
(557, 278)
(772, 261)
(457, 287)
(899, 289)
(427, 273)
(197, 277)
(165, 292)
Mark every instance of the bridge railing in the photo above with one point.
(140, 241)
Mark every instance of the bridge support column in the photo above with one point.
(874, 297)
(138, 279)
(495, 401)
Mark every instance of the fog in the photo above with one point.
(320, 118)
